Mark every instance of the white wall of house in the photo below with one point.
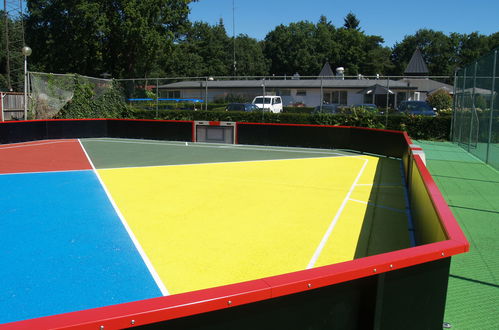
(353, 97)
(309, 97)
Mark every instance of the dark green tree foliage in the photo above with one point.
(442, 53)
(304, 47)
(16, 58)
(351, 22)
(206, 50)
(121, 37)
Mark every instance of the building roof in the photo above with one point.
(417, 65)
(294, 84)
(376, 89)
(326, 72)
(427, 85)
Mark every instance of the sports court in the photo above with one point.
(101, 221)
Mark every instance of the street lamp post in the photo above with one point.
(26, 52)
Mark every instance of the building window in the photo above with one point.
(336, 97)
(285, 92)
(301, 92)
(173, 94)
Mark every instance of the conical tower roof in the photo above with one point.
(326, 72)
(417, 65)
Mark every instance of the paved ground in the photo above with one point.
(471, 189)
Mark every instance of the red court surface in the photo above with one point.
(43, 156)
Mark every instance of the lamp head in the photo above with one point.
(26, 51)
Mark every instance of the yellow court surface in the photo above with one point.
(205, 225)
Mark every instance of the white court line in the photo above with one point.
(34, 144)
(240, 146)
(139, 248)
(323, 242)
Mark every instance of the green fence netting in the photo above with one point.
(476, 108)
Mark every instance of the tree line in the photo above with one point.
(155, 38)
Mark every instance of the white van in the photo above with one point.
(271, 103)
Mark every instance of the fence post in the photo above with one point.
(1, 106)
(206, 95)
(157, 97)
(473, 108)
(387, 100)
(454, 105)
(491, 118)
(322, 95)
(462, 104)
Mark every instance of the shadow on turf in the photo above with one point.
(459, 178)
(473, 209)
(474, 281)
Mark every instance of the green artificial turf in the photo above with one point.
(471, 189)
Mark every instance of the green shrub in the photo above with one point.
(298, 109)
(418, 127)
(440, 100)
(85, 104)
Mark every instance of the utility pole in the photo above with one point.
(234, 37)
(7, 52)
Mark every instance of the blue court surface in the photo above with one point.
(61, 238)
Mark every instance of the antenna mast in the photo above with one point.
(234, 37)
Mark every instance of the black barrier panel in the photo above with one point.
(73, 129)
(348, 305)
(413, 297)
(13, 132)
(408, 298)
(378, 142)
(149, 129)
(294, 136)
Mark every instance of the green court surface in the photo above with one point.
(471, 189)
(210, 214)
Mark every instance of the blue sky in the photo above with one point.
(390, 19)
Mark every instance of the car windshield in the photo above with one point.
(235, 107)
(259, 100)
(416, 107)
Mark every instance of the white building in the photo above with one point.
(295, 92)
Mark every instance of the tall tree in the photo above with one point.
(121, 37)
(15, 79)
(304, 47)
(351, 22)
(437, 49)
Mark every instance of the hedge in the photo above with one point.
(418, 127)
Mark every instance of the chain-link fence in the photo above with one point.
(51, 92)
(208, 93)
(476, 109)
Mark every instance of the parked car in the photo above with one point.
(367, 106)
(269, 103)
(326, 108)
(421, 108)
(241, 107)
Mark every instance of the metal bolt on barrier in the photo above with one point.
(229, 302)
(447, 325)
(391, 266)
(374, 270)
(132, 322)
(309, 285)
